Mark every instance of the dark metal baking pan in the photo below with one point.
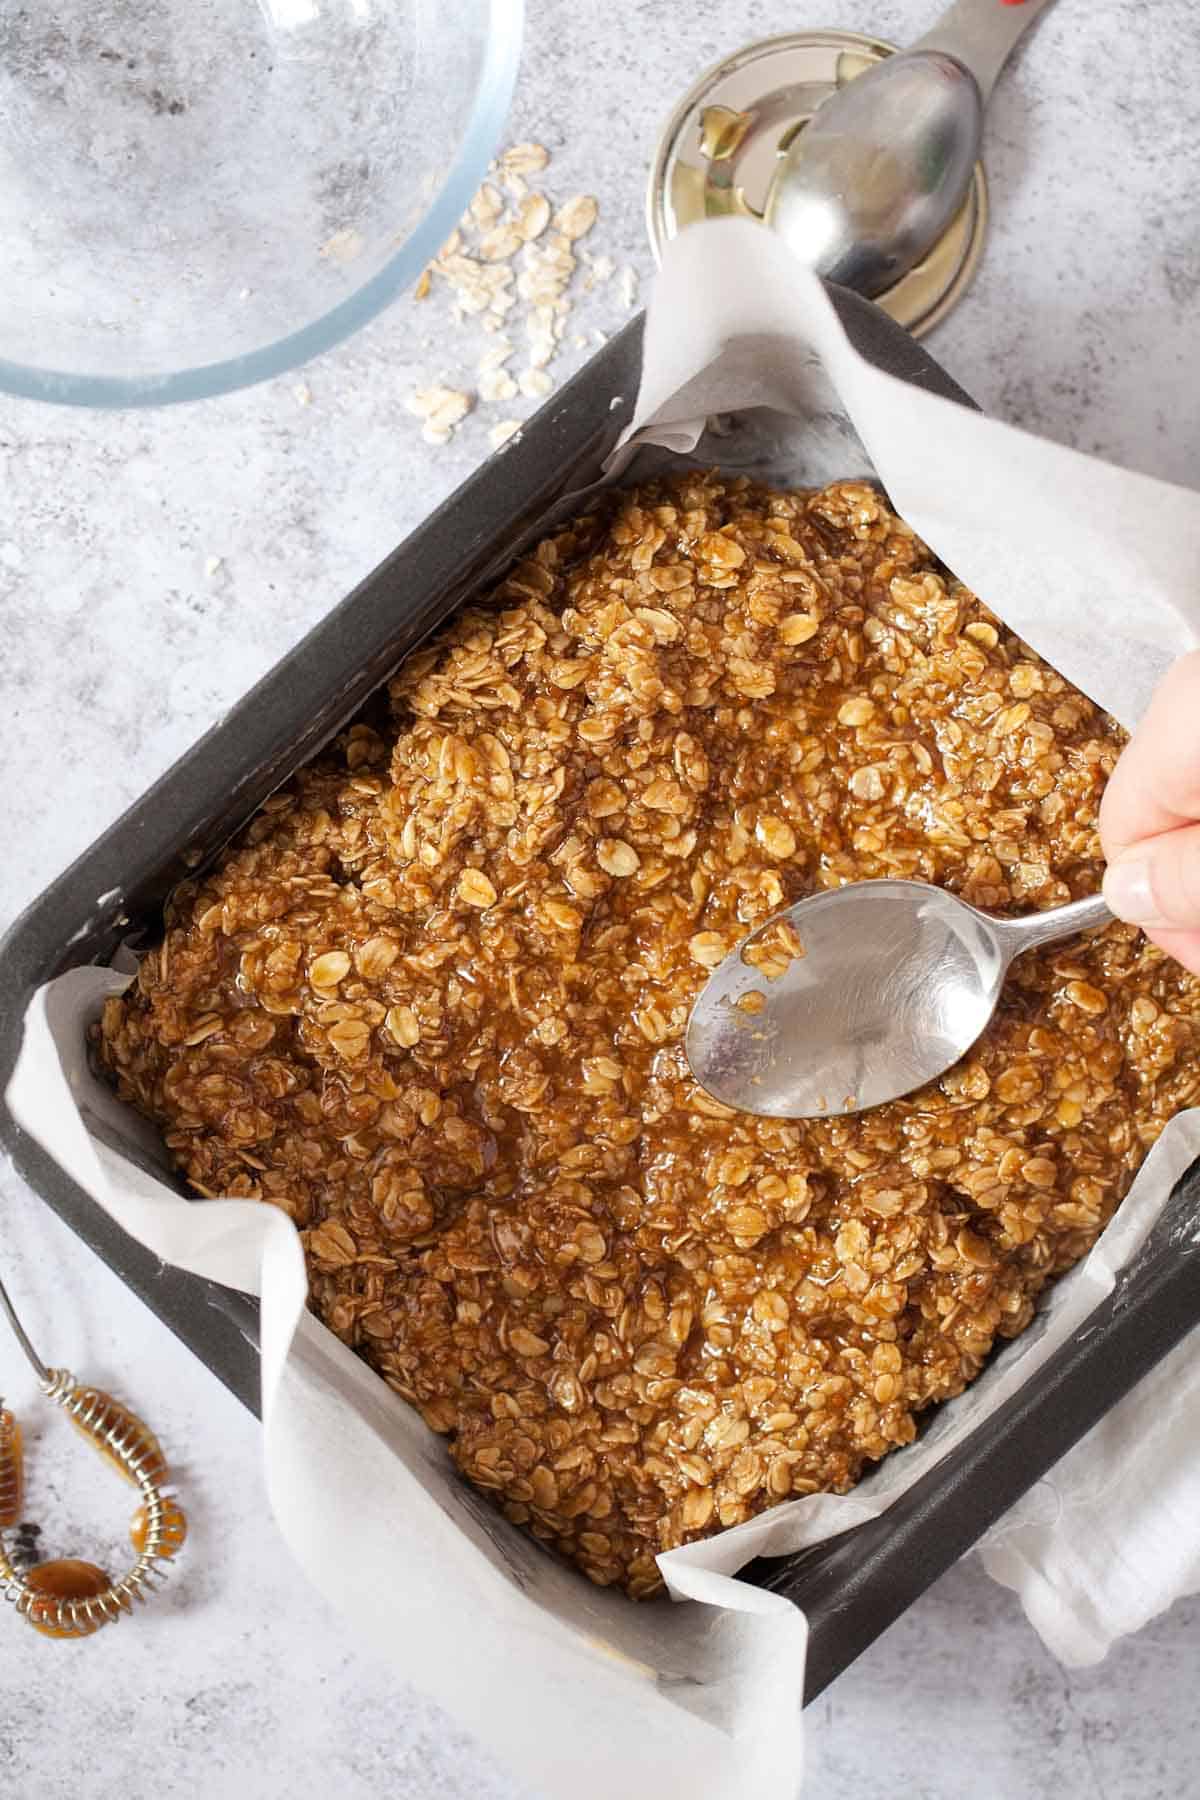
(851, 1588)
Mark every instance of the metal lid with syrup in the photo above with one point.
(721, 147)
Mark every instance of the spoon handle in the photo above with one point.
(1048, 927)
(980, 34)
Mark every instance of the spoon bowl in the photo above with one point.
(866, 190)
(857, 996)
(876, 178)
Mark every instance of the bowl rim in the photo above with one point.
(489, 111)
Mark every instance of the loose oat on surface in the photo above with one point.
(432, 1005)
(516, 248)
(440, 409)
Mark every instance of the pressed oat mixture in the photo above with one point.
(432, 1004)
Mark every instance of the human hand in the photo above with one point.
(1150, 819)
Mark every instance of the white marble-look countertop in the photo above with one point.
(124, 638)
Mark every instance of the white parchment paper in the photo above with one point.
(583, 1692)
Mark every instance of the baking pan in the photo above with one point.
(851, 1588)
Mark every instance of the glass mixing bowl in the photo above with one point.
(196, 194)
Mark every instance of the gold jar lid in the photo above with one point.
(721, 145)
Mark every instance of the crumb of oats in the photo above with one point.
(576, 217)
(303, 394)
(486, 206)
(441, 409)
(534, 383)
(548, 267)
(515, 250)
(533, 216)
(496, 384)
(422, 401)
(212, 564)
(629, 287)
(503, 431)
(501, 242)
(541, 352)
(524, 159)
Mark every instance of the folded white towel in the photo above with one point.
(1112, 1536)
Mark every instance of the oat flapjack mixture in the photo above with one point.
(432, 1005)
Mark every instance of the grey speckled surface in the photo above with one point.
(119, 648)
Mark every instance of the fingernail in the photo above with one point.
(1128, 890)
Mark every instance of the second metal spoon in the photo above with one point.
(870, 185)
(858, 996)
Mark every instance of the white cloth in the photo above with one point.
(1112, 1536)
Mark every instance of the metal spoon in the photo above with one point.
(891, 983)
(869, 186)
